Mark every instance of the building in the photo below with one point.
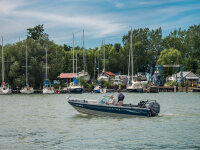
(188, 77)
(68, 77)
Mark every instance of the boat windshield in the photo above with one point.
(104, 99)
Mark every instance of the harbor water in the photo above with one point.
(30, 122)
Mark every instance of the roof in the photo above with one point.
(67, 75)
(188, 75)
(110, 73)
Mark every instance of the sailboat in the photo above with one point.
(75, 87)
(102, 75)
(135, 86)
(84, 74)
(99, 88)
(3, 89)
(27, 89)
(47, 89)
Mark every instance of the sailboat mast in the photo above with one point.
(73, 54)
(2, 58)
(104, 57)
(83, 54)
(98, 63)
(76, 62)
(131, 53)
(46, 64)
(129, 61)
(26, 66)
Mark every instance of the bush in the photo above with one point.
(173, 83)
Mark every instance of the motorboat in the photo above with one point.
(147, 108)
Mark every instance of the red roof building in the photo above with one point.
(67, 75)
(110, 73)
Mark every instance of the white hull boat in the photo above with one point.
(27, 90)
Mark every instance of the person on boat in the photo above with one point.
(120, 98)
(112, 102)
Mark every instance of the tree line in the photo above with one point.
(150, 48)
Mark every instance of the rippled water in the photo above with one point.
(49, 122)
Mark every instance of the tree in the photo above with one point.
(37, 33)
(169, 57)
(67, 48)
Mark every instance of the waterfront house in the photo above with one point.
(188, 77)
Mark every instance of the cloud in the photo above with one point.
(119, 5)
(106, 19)
(98, 26)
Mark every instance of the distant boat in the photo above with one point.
(99, 88)
(135, 86)
(102, 76)
(27, 89)
(75, 87)
(48, 88)
(84, 74)
(4, 89)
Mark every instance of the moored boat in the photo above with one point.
(147, 108)
(27, 90)
(4, 89)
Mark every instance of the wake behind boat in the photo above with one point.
(147, 108)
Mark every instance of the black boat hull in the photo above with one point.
(76, 90)
(108, 110)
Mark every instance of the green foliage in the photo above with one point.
(169, 57)
(37, 32)
(173, 83)
(180, 47)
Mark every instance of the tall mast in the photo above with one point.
(76, 62)
(129, 61)
(46, 64)
(98, 62)
(26, 66)
(2, 58)
(131, 53)
(73, 54)
(83, 54)
(104, 57)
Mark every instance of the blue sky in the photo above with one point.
(105, 20)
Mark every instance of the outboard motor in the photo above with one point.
(154, 107)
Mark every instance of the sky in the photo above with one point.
(101, 20)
